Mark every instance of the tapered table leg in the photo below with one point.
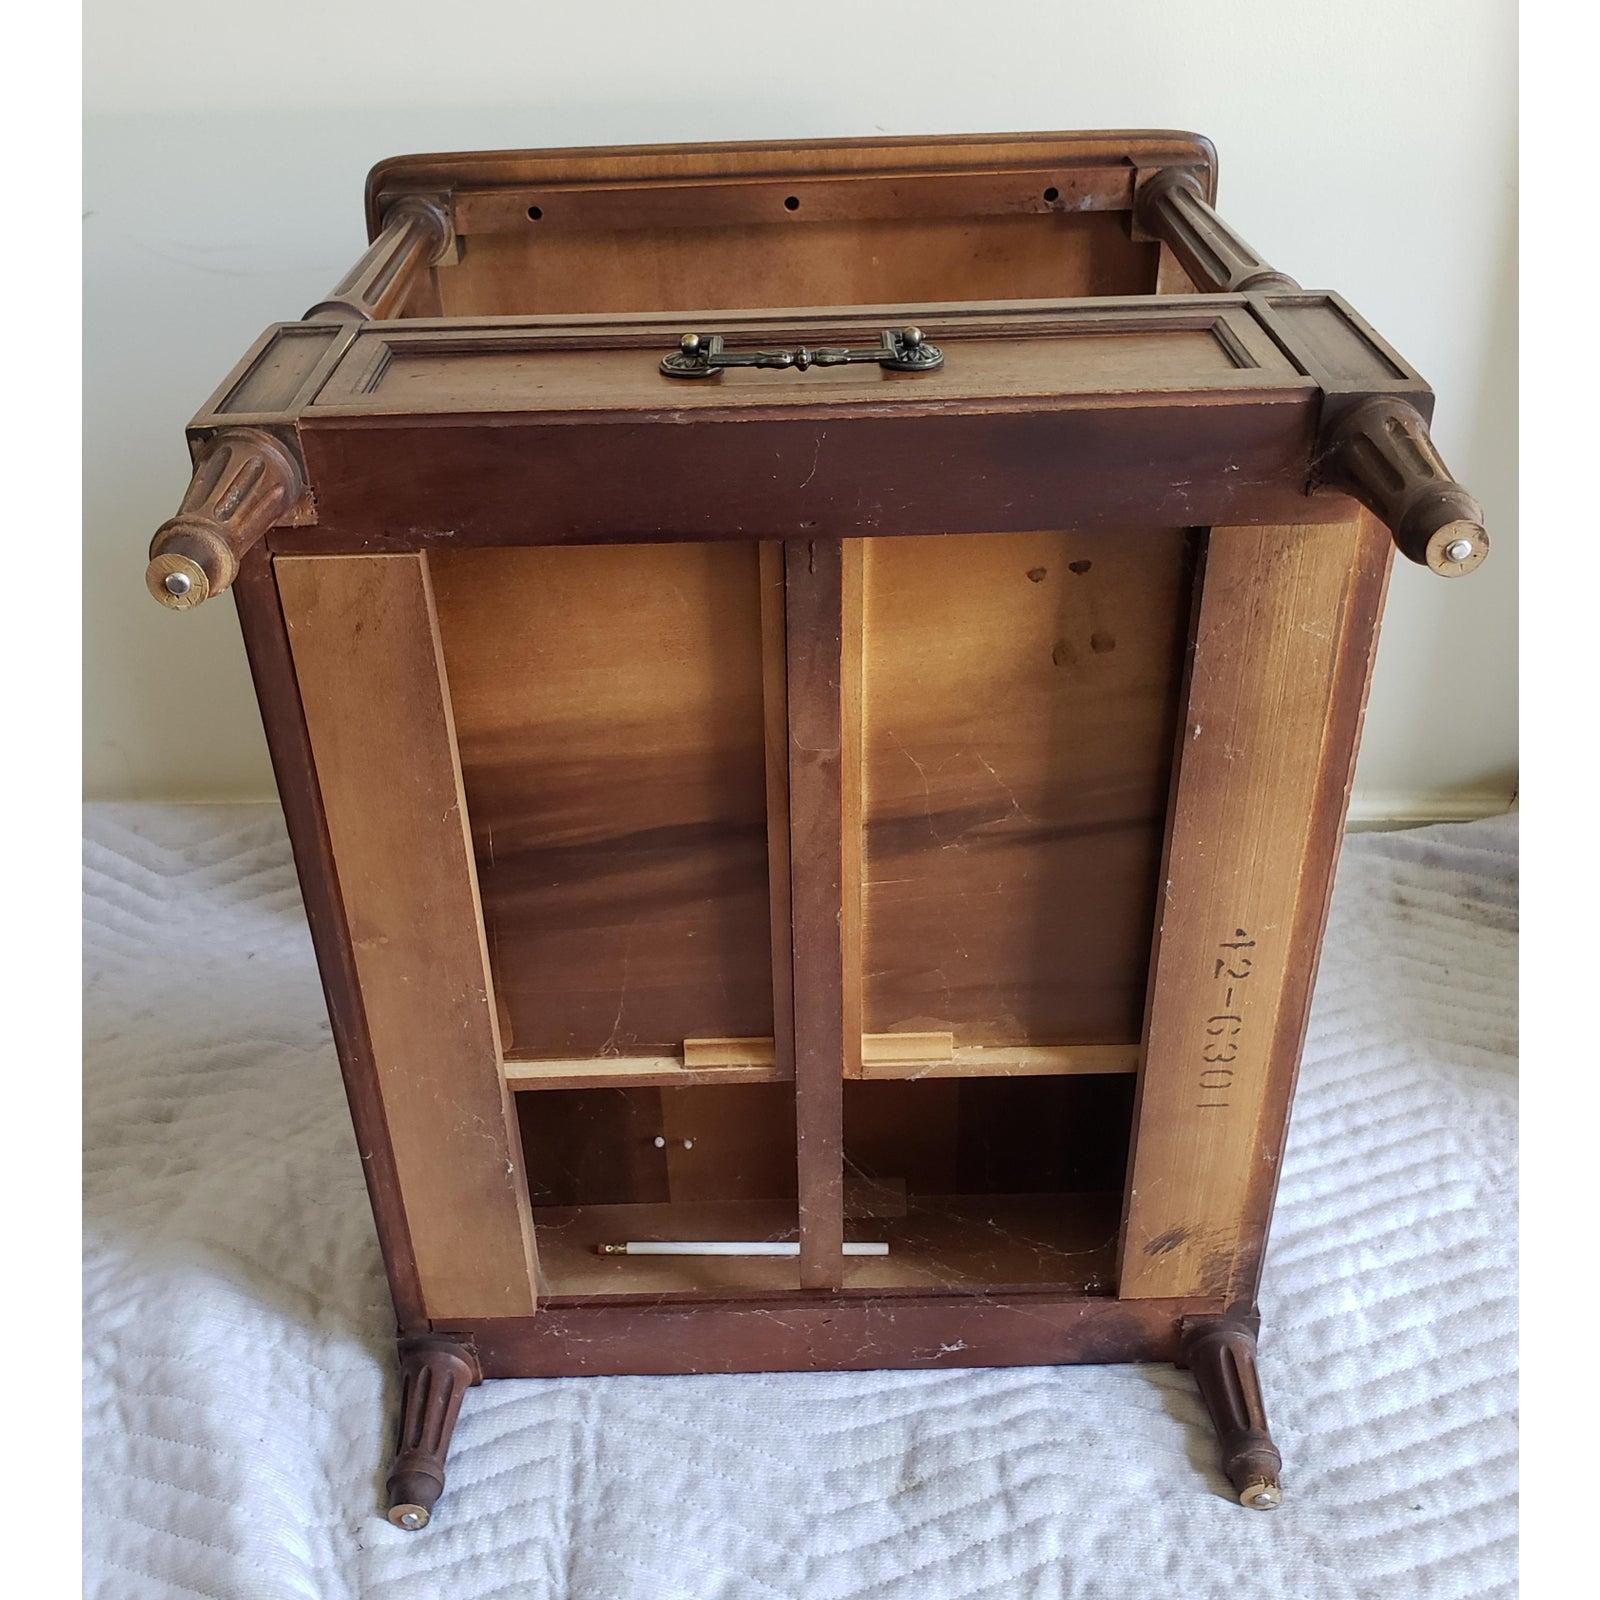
(1221, 1352)
(435, 1373)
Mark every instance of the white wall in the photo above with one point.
(1367, 146)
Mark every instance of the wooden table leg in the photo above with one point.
(435, 1373)
(1221, 1352)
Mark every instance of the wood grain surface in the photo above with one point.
(366, 651)
(1019, 697)
(804, 1333)
(776, 262)
(822, 611)
(787, 223)
(862, 853)
(609, 704)
(272, 671)
(1280, 610)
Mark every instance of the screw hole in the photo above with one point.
(534, 213)
(1052, 193)
(792, 203)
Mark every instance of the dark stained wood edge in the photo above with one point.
(819, 1333)
(266, 643)
(278, 375)
(645, 166)
(1347, 412)
(813, 605)
(1176, 463)
(1357, 654)
(1325, 338)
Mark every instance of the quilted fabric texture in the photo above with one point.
(239, 1385)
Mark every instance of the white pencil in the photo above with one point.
(721, 1247)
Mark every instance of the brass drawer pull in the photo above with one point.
(900, 350)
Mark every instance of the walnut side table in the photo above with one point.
(814, 689)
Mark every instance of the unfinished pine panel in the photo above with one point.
(366, 649)
(883, 1055)
(582, 1072)
(1019, 699)
(609, 708)
(1003, 1061)
(1233, 956)
(734, 1052)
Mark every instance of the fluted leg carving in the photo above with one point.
(245, 480)
(435, 1373)
(416, 233)
(1380, 453)
(1221, 1352)
(1171, 207)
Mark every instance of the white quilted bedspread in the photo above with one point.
(239, 1384)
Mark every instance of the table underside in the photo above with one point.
(813, 806)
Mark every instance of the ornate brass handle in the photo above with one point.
(900, 350)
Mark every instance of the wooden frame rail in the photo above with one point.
(1237, 409)
(1285, 633)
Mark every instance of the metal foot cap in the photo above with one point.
(1260, 1495)
(413, 1518)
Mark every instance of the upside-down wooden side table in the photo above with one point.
(814, 689)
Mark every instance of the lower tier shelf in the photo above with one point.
(942, 1243)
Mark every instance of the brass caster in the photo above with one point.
(1261, 1495)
